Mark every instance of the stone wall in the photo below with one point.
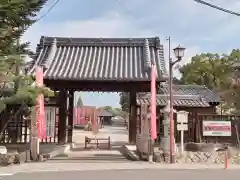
(214, 157)
(203, 153)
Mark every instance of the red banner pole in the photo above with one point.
(226, 160)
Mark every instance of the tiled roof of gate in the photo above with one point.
(184, 95)
(121, 59)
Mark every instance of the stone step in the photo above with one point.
(90, 157)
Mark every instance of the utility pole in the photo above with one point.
(179, 53)
(172, 148)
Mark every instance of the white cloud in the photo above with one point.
(106, 26)
(186, 14)
(201, 20)
(169, 17)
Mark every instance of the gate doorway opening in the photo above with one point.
(105, 123)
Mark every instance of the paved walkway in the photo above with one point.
(118, 135)
(130, 174)
(115, 132)
(55, 166)
(100, 160)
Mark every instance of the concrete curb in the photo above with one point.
(129, 153)
(54, 167)
(61, 151)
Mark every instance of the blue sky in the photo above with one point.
(197, 27)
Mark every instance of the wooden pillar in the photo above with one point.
(62, 116)
(70, 116)
(132, 119)
(4, 115)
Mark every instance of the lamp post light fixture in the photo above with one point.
(179, 53)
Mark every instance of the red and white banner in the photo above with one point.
(40, 110)
(84, 114)
(80, 116)
(217, 128)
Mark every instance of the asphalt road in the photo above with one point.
(129, 175)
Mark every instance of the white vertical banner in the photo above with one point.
(50, 116)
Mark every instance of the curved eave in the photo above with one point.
(37, 62)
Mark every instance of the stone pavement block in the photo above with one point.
(48, 166)
(130, 152)
(115, 133)
(3, 150)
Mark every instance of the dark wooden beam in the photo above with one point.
(70, 115)
(109, 86)
(62, 117)
(132, 118)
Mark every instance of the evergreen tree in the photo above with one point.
(17, 90)
(79, 102)
(15, 86)
(15, 17)
(124, 101)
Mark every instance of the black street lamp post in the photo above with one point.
(179, 53)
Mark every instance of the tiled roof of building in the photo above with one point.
(121, 59)
(184, 95)
(236, 64)
(104, 113)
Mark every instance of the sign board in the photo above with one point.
(216, 128)
(182, 127)
(182, 117)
